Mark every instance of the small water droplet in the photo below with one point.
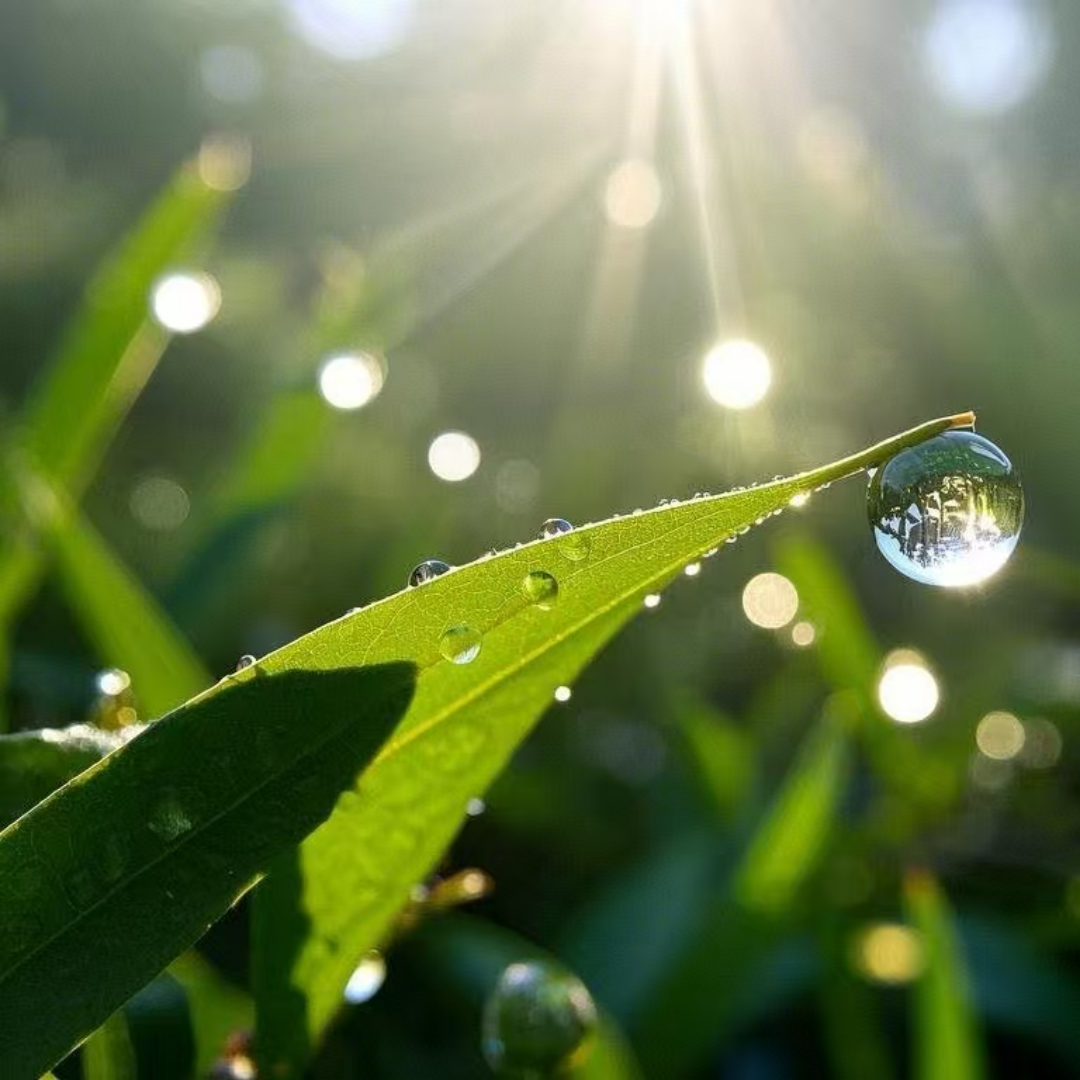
(799, 499)
(366, 981)
(427, 571)
(475, 807)
(245, 661)
(536, 1019)
(554, 527)
(168, 818)
(540, 588)
(460, 644)
(947, 512)
(563, 694)
(730, 539)
(692, 569)
(652, 600)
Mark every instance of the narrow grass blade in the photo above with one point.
(122, 869)
(122, 620)
(108, 1053)
(947, 1042)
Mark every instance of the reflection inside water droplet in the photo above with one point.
(245, 661)
(540, 588)
(554, 527)
(947, 512)
(427, 571)
(460, 644)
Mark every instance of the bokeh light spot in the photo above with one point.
(351, 380)
(889, 953)
(770, 601)
(184, 302)
(632, 195)
(563, 693)
(353, 29)
(159, 504)
(737, 374)
(907, 690)
(803, 634)
(454, 456)
(1000, 735)
(985, 56)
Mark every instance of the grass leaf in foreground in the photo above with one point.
(468, 717)
(124, 867)
(947, 1045)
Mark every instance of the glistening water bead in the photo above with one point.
(460, 644)
(540, 588)
(536, 1020)
(947, 512)
(426, 571)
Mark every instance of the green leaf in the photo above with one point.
(105, 358)
(33, 764)
(123, 621)
(108, 1053)
(119, 871)
(467, 719)
(947, 1042)
(722, 754)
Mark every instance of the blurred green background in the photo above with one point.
(538, 217)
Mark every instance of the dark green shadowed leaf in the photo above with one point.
(947, 1042)
(34, 764)
(468, 718)
(119, 871)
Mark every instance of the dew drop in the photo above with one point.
(366, 981)
(692, 569)
(947, 512)
(460, 644)
(537, 1018)
(245, 661)
(540, 588)
(652, 600)
(554, 527)
(427, 571)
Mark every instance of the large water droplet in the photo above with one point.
(366, 981)
(575, 546)
(460, 644)
(537, 1018)
(426, 571)
(245, 661)
(947, 512)
(540, 588)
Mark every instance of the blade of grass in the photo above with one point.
(705, 990)
(105, 358)
(108, 1053)
(467, 719)
(119, 871)
(947, 1042)
(123, 621)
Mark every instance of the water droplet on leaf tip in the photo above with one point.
(540, 588)
(427, 571)
(948, 511)
(245, 661)
(460, 644)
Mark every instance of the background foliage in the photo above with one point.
(696, 832)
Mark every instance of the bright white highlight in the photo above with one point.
(351, 380)
(366, 981)
(563, 693)
(737, 374)
(632, 195)
(353, 29)
(803, 634)
(185, 302)
(454, 456)
(112, 681)
(907, 690)
(652, 600)
(770, 601)
(985, 56)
